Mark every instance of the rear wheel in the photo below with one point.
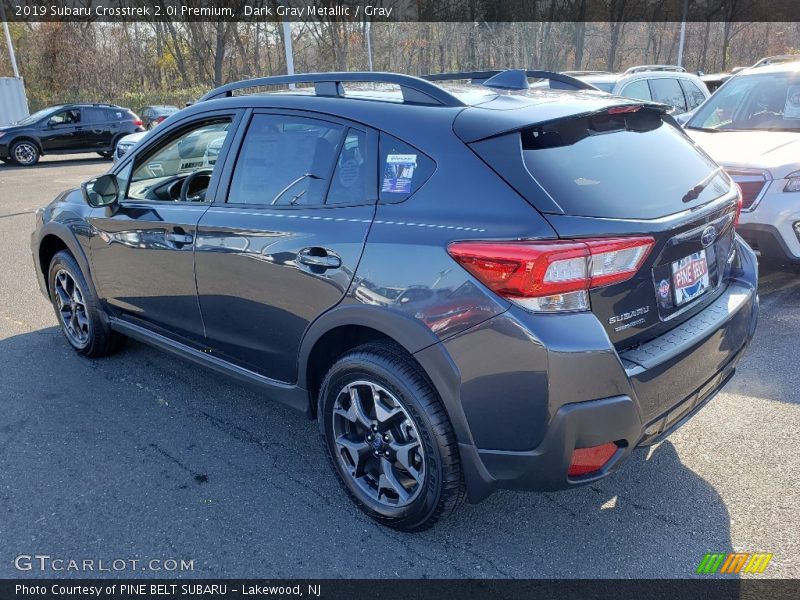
(389, 438)
(78, 309)
(25, 153)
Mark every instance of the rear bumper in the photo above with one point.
(658, 386)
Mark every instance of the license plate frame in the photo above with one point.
(690, 277)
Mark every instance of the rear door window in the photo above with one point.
(288, 161)
(668, 91)
(638, 90)
(94, 115)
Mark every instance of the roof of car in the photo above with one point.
(778, 67)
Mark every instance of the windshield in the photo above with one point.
(37, 116)
(766, 102)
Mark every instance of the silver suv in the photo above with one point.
(667, 84)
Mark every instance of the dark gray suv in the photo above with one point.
(471, 286)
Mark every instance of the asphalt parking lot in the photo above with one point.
(142, 455)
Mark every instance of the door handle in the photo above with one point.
(319, 257)
(178, 238)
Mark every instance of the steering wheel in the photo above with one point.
(186, 188)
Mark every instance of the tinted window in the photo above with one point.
(193, 149)
(94, 115)
(353, 178)
(769, 101)
(403, 168)
(618, 166)
(668, 91)
(637, 89)
(694, 96)
(286, 161)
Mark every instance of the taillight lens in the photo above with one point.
(160, 119)
(588, 460)
(137, 122)
(552, 276)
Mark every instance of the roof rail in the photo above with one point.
(414, 89)
(640, 68)
(511, 79)
(781, 58)
(582, 73)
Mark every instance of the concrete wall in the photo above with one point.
(13, 102)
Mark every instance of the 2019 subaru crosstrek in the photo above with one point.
(471, 287)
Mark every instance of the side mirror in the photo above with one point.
(50, 124)
(101, 191)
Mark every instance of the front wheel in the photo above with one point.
(389, 438)
(25, 153)
(78, 309)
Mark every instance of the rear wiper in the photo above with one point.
(694, 193)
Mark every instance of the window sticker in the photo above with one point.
(792, 108)
(399, 173)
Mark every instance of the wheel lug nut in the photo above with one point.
(369, 437)
(374, 427)
(386, 454)
(385, 438)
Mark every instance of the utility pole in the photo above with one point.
(683, 32)
(368, 27)
(287, 46)
(8, 40)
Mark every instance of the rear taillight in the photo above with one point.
(552, 276)
(160, 119)
(137, 122)
(588, 460)
(739, 202)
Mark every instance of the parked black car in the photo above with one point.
(154, 115)
(471, 288)
(67, 129)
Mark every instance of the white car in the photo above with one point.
(667, 84)
(126, 143)
(751, 126)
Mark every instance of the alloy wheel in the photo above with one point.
(71, 308)
(24, 153)
(378, 444)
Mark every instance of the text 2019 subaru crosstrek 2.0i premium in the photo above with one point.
(471, 286)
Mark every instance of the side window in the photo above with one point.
(637, 89)
(354, 175)
(66, 117)
(158, 174)
(668, 91)
(694, 96)
(94, 115)
(113, 115)
(288, 161)
(403, 169)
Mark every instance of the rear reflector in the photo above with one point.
(552, 276)
(589, 460)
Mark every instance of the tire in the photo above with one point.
(421, 480)
(5, 160)
(106, 154)
(88, 332)
(25, 153)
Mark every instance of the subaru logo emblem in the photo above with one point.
(709, 235)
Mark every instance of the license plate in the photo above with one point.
(690, 277)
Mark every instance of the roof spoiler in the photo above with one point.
(512, 79)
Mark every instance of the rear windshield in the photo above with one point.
(631, 165)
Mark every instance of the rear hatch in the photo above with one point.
(628, 170)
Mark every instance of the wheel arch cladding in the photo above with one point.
(56, 239)
(26, 138)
